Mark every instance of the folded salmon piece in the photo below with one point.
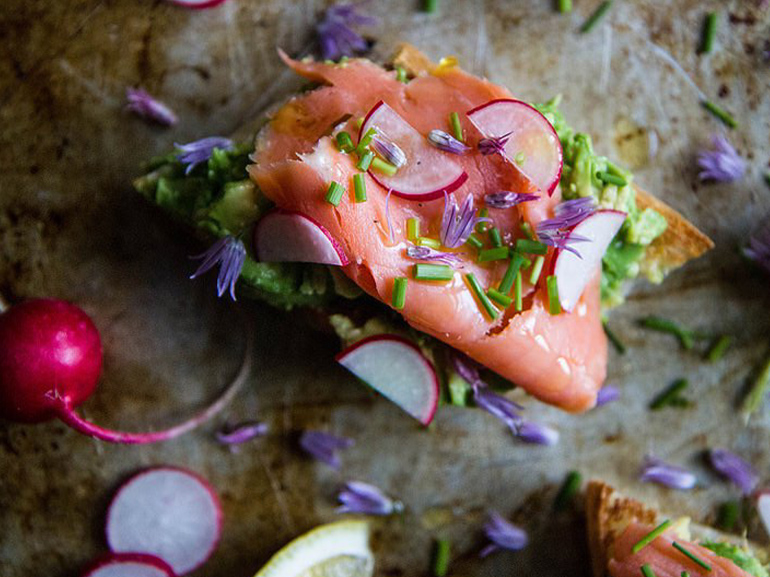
(560, 359)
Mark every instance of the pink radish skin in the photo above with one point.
(531, 135)
(197, 4)
(130, 565)
(285, 236)
(50, 362)
(436, 172)
(167, 512)
(397, 369)
(573, 272)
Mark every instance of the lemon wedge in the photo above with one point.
(338, 549)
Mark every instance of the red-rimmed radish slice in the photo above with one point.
(763, 508)
(428, 172)
(396, 369)
(284, 236)
(129, 565)
(197, 4)
(167, 512)
(573, 272)
(533, 145)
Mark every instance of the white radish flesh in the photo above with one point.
(130, 565)
(763, 508)
(284, 236)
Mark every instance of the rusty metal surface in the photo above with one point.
(71, 227)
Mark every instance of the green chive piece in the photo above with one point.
(565, 6)
(366, 139)
(651, 536)
(457, 129)
(685, 336)
(399, 292)
(494, 237)
(429, 6)
(401, 74)
(609, 178)
(531, 246)
(758, 390)
(345, 142)
(692, 557)
(537, 268)
(475, 241)
(429, 242)
(359, 121)
(440, 272)
(335, 192)
(568, 490)
(520, 158)
(671, 396)
(517, 293)
(384, 167)
(441, 558)
(718, 348)
(709, 32)
(510, 273)
(479, 292)
(359, 186)
(596, 16)
(490, 254)
(647, 571)
(501, 299)
(721, 114)
(729, 512)
(413, 229)
(554, 306)
(526, 228)
(365, 160)
(684, 574)
(482, 226)
(613, 338)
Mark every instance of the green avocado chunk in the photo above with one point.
(738, 555)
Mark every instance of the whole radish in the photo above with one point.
(50, 363)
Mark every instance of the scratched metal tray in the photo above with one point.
(70, 226)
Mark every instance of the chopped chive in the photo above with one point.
(359, 121)
(475, 241)
(526, 228)
(685, 336)
(479, 292)
(517, 292)
(684, 574)
(709, 32)
(758, 390)
(345, 142)
(596, 16)
(399, 292)
(441, 558)
(671, 396)
(537, 268)
(366, 139)
(651, 536)
(520, 158)
(729, 512)
(647, 571)
(440, 272)
(494, 237)
(692, 557)
(568, 490)
(721, 114)
(609, 178)
(482, 226)
(565, 6)
(383, 166)
(554, 306)
(359, 187)
(718, 348)
(413, 229)
(613, 338)
(429, 242)
(510, 273)
(531, 246)
(501, 299)
(335, 192)
(365, 160)
(401, 74)
(429, 6)
(457, 129)
(490, 254)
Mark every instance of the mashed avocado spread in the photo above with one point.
(741, 557)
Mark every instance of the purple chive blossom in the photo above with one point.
(366, 499)
(194, 153)
(735, 469)
(607, 394)
(494, 145)
(141, 103)
(388, 150)
(508, 199)
(467, 369)
(657, 471)
(457, 224)
(336, 35)
(241, 433)
(498, 406)
(230, 254)
(503, 535)
(429, 254)
(324, 446)
(722, 163)
(446, 142)
(567, 214)
(758, 248)
(537, 434)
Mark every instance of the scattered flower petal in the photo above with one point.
(758, 248)
(446, 142)
(467, 369)
(366, 499)
(503, 535)
(657, 471)
(494, 145)
(537, 434)
(241, 433)
(194, 153)
(722, 163)
(230, 254)
(457, 224)
(141, 103)
(735, 469)
(607, 394)
(507, 199)
(428, 254)
(561, 239)
(388, 150)
(324, 446)
(567, 214)
(498, 406)
(336, 35)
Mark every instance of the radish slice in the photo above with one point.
(167, 512)
(197, 4)
(283, 236)
(397, 369)
(763, 508)
(130, 565)
(532, 139)
(428, 173)
(574, 272)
